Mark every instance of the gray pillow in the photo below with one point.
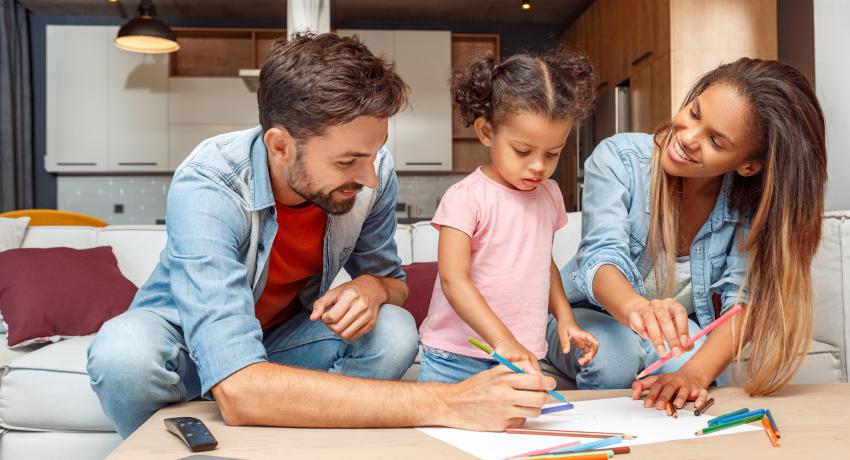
(12, 232)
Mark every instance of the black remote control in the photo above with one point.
(193, 432)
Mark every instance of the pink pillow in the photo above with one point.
(421, 277)
(48, 294)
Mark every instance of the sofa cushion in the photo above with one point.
(420, 285)
(49, 389)
(47, 292)
(12, 232)
(57, 445)
(67, 236)
(137, 248)
(831, 285)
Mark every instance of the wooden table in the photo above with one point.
(813, 421)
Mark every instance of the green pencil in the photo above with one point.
(723, 426)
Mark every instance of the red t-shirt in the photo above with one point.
(296, 255)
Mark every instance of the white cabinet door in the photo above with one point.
(77, 118)
(138, 110)
(211, 100)
(424, 131)
(202, 107)
(381, 43)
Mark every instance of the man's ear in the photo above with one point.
(750, 168)
(484, 130)
(280, 144)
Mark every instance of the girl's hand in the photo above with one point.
(659, 321)
(677, 388)
(584, 340)
(514, 352)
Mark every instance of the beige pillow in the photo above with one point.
(12, 232)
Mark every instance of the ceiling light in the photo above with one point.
(526, 4)
(145, 33)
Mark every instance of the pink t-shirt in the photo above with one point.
(512, 233)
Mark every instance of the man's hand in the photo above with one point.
(495, 399)
(351, 309)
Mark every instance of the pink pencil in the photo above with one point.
(723, 318)
(544, 451)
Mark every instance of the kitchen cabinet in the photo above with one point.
(76, 73)
(106, 107)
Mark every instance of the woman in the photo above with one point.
(721, 206)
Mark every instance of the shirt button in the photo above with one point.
(699, 249)
(261, 247)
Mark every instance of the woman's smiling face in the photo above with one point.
(712, 136)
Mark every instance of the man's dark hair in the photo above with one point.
(312, 82)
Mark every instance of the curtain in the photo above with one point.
(17, 183)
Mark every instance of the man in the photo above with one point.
(259, 224)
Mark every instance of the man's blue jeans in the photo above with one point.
(139, 362)
(621, 355)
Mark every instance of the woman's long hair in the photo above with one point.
(784, 205)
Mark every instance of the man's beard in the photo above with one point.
(299, 180)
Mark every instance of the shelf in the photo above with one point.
(214, 52)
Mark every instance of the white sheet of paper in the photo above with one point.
(617, 415)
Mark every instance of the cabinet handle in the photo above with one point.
(68, 163)
(642, 57)
(121, 163)
(438, 163)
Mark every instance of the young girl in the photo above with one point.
(497, 277)
(721, 207)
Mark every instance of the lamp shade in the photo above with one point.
(146, 33)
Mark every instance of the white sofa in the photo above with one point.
(48, 410)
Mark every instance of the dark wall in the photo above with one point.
(513, 38)
(795, 29)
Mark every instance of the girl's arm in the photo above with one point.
(568, 330)
(454, 264)
(691, 381)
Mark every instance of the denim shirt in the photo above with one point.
(615, 226)
(221, 224)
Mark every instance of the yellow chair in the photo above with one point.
(41, 217)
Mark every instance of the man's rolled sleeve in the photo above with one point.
(209, 284)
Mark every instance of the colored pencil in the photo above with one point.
(730, 414)
(722, 319)
(617, 450)
(705, 406)
(513, 367)
(572, 434)
(595, 455)
(671, 410)
(723, 426)
(772, 423)
(774, 440)
(558, 408)
(736, 417)
(546, 451)
(591, 445)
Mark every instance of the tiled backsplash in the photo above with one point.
(115, 199)
(422, 194)
(141, 199)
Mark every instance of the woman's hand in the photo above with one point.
(659, 321)
(585, 341)
(514, 352)
(677, 388)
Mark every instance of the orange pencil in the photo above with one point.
(770, 433)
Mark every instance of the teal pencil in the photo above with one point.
(512, 367)
(729, 415)
(723, 426)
